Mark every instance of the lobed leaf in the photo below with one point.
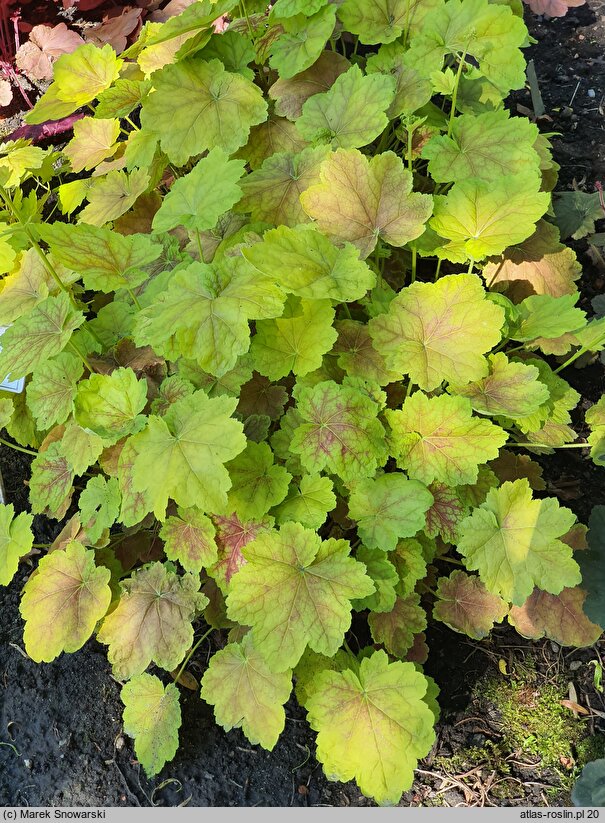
(152, 716)
(295, 591)
(63, 602)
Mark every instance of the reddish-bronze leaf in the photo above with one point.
(466, 606)
(560, 617)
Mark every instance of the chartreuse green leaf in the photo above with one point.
(272, 193)
(308, 503)
(387, 508)
(491, 33)
(258, 483)
(110, 404)
(197, 200)
(192, 442)
(410, 561)
(99, 506)
(466, 606)
(190, 539)
(542, 315)
(302, 41)
(152, 621)
(360, 200)
(203, 313)
(234, 50)
(197, 105)
(52, 389)
(439, 331)
(26, 286)
(79, 77)
(94, 140)
(384, 576)
(63, 602)
(80, 446)
(378, 22)
(307, 264)
(152, 716)
(16, 540)
(106, 260)
(121, 98)
(480, 219)
(438, 438)
(295, 591)
(351, 113)
(372, 725)
(112, 195)
(559, 617)
(412, 89)
(18, 157)
(246, 693)
(288, 8)
(513, 542)
(511, 389)
(296, 341)
(340, 432)
(595, 418)
(485, 147)
(37, 335)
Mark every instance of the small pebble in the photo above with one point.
(27, 764)
(591, 93)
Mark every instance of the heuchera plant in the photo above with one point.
(293, 318)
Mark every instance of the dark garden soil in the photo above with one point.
(504, 737)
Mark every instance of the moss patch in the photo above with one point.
(534, 723)
(533, 728)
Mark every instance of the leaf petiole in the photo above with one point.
(18, 448)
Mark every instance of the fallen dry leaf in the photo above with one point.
(6, 93)
(574, 707)
(36, 57)
(114, 30)
(553, 8)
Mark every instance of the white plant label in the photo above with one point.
(15, 386)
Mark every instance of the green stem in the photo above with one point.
(384, 141)
(130, 123)
(347, 311)
(18, 448)
(191, 653)
(250, 32)
(406, 28)
(471, 266)
(410, 136)
(77, 351)
(414, 261)
(437, 270)
(199, 245)
(133, 297)
(455, 95)
(451, 560)
(571, 359)
(408, 389)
